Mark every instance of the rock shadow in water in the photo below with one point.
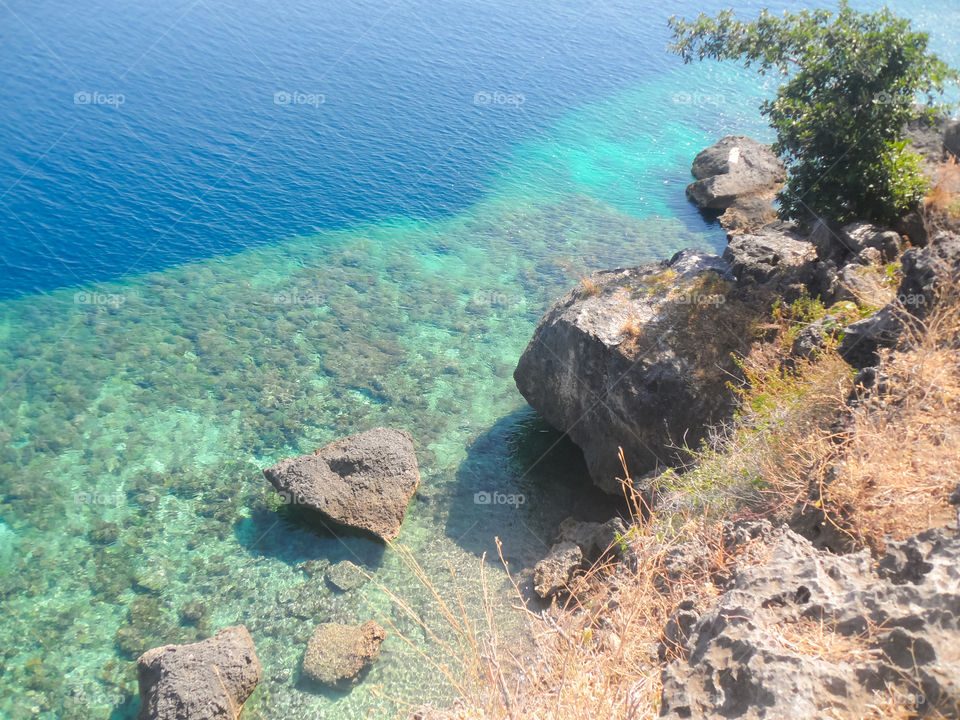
(520, 479)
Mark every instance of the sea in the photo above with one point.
(232, 232)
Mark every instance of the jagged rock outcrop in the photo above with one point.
(577, 545)
(363, 482)
(639, 358)
(775, 253)
(809, 634)
(926, 272)
(934, 140)
(553, 574)
(337, 654)
(741, 176)
(208, 680)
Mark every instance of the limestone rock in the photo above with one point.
(553, 574)
(735, 168)
(364, 481)
(761, 651)
(336, 654)
(208, 680)
(638, 358)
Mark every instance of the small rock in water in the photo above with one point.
(346, 576)
(336, 654)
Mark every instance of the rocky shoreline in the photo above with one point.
(637, 366)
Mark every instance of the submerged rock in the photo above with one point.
(638, 358)
(364, 481)
(345, 576)
(336, 654)
(208, 680)
(810, 634)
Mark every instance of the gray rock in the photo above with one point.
(934, 140)
(926, 271)
(773, 253)
(593, 538)
(842, 244)
(734, 664)
(863, 339)
(638, 359)
(553, 574)
(346, 576)
(208, 680)
(748, 214)
(857, 283)
(858, 237)
(736, 167)
(363, 482)
(337, 654)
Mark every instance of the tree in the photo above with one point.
(851, 84)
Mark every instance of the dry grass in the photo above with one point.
(941, 206)
(881, 469)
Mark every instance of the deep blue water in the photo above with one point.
(181, 151)
(200, 160)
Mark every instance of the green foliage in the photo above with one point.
(851, 81)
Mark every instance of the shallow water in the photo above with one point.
(137, 414)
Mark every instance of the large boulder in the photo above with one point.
(639, 358)
(208, 680)
(337, 654)
(774, 253)
(741, 176)
(363, 482)
(810, 634)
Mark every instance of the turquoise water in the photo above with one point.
(136, 415)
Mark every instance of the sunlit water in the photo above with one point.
(295, 305)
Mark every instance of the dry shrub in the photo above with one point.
(941, 206)
(900, 460)
(883, 468)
